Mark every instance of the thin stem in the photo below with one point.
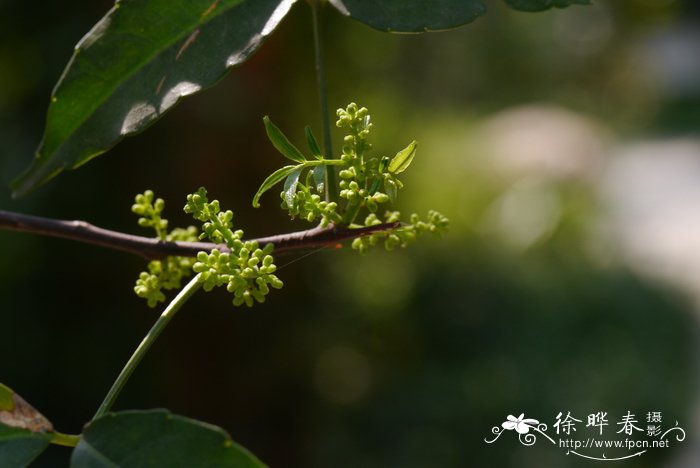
(325, 162)
(323, 97)
(66, 440)
(145, 345)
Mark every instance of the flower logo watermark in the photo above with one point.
(521, 425)
(590, 441)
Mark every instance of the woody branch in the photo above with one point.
(152, 248)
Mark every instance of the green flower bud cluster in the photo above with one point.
(367, 183)
(162, 275)
(402, 236)
(247, 275)
(357, 120)
(355, 194)
(217, 224)
(310, 206)
(150, 213)
(246, 270)
(165, 274)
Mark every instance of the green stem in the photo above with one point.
(351, 212)
(146, 343)
(66, 440)
(323, 99)
(225, 232)
(324, 162)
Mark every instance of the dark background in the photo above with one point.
(406, 358)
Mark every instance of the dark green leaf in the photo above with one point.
(390, 189)
(313, 144)
(290, 187)
(411, 15)
(24, 432)
(281, 142)
(18, 447)
(320, 178)
(403, 159)
(540, 5)
(272, 180)
(157, 438)
(135, 64)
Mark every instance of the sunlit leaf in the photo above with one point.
(281, 142)
(272, 180)
(135, 64)
(313, 144)
(290, 187)
(403, 159)
(414, 16)
(157, 438)
(390, 189)
(320, 178)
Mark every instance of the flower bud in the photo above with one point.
(380, 197)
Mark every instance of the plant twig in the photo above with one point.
(152, 248)
(146, 343)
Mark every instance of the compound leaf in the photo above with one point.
(135, 64)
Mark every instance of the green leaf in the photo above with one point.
(290, 187)
(6, 398)
(24, 432)
(281, 142)
(411, 16)
(391, 189)
(157, 438)
(16, 412)
(320, 177)
(18, 447)
(403, 159)
(272, 180)
(540, 5)
(313, 144)
(135, 64)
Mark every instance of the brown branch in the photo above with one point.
(151, 248)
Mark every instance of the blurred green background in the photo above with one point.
(565, 284)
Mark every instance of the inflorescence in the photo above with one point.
(367, 183)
